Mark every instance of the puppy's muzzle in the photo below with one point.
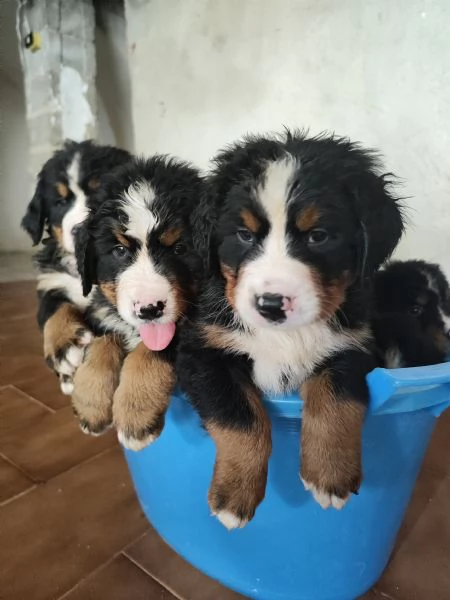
(272, 307)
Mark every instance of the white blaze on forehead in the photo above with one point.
(73, 175)
(137, 202)
(273, 194)
(79, 211)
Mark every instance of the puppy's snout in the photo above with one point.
(272, 307)
(151, 311)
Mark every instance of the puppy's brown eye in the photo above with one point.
(245, 236)
(415, 310)
(317, 237)
(120, 251)
(179, 249)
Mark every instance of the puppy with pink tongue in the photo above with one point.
(140, 268)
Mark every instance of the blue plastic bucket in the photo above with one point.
(293, 549)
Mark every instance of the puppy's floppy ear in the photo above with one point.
(380, 217)
(34, 220)
(85, 256)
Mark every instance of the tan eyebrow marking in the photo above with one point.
(94, 183)
(307, 218)
(252, 222)
(170, 236)
(62, 189)
(122, 239)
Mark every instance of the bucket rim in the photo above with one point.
(392, 391)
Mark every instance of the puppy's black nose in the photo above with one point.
(270, 306)
(152, 311)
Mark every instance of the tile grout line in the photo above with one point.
(384, 594)
(14, 386)
(100, 567)
(19, 495)
(91, 574)
(161, 583)
(18, 467)
(40, 482)
(83, 462)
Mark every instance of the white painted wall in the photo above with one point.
(113, 78)
(14, 183)
(206, 71)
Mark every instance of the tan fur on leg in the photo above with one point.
(142, 398)
(331, 442)
(95, 383)
(240, 471)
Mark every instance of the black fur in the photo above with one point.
(346, 184)
(412, 298)
(47, 208)
(137, 250)
(58, 279)
(178, 189)
(363, 223)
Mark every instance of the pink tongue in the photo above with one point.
(157, 337)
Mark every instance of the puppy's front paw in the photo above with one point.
(65, 341)
(141, 400)
(325, 497)
(94, 385)
(136, 440)
(66, 384)
(234, 498)
(92, 400)
(137, 422)
(334, 487)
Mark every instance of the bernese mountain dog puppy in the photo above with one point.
(297, 228)
(138, 250)
(412, 314)
(59, 205)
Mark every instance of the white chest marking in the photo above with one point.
(283, 359)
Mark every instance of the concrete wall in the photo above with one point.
(54, 116)
(113, 78)
(206, 71)
(13, 135)
(60, 90)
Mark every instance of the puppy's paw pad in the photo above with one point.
(134, 443)
(325, 499)
(230, 520)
